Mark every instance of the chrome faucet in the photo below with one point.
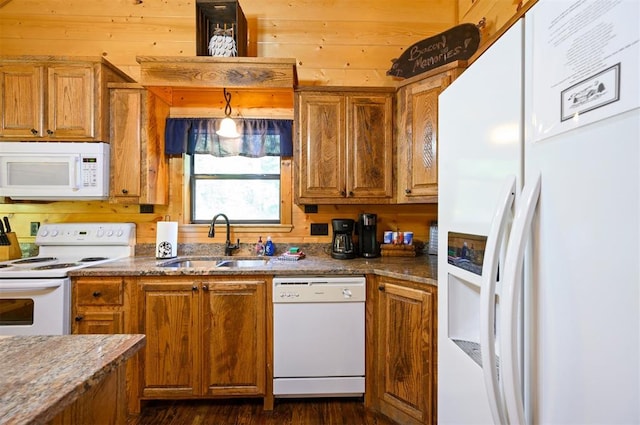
(228, 248)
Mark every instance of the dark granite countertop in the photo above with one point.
(41, 375)
(420, 269)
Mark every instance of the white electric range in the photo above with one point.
(35, 292)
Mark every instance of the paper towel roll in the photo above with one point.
(167, 239)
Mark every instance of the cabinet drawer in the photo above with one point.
(103, 292)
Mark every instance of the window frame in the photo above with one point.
(194, 177)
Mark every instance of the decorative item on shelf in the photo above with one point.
(222, 43)
(226, 15)
(228, 125)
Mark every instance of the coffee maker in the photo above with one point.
(342, 246)
(367, 231)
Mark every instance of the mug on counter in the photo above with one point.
(408, 238)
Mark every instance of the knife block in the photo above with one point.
(12, 251)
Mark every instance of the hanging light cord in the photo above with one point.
(227, 108)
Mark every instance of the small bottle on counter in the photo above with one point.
(269, 247)
(259, 246)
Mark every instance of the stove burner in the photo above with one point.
(56, 266)
(34, 260)
(90, 259)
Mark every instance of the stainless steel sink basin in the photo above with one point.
(190, 263)
(241, 263)
(213, 263)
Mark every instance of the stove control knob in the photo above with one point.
(119, 233)
(45, 232)
(109, 233)
(54, 233)
(100, 233)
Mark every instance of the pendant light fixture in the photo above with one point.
(227, 125)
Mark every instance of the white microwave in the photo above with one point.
(54, 171)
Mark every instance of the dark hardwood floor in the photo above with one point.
(249, 412)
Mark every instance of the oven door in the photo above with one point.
(35, 306)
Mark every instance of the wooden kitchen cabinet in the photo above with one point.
(344, 150)
(103, 403)
(139, 166)
(416, 134)
(406, 355)
(98, 305)
(205, 337)
(54, 99)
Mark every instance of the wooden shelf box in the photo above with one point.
(226, 14)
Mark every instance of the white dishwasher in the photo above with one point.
(318, 336)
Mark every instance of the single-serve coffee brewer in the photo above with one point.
(342, 246)
(367, 231)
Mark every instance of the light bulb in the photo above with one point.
(228, 129)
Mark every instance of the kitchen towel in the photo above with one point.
(167, 239)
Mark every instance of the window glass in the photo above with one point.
(247, 190)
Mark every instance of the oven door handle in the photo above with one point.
(28, 286)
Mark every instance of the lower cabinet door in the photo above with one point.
(170, 321)
(234, 337)
(406, 352)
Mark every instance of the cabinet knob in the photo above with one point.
(407, 191)
(50, 132)
(205, 287)
(194, 288)
(34, 131)
(79, 318)
(97, 294)
(343, 193)
(125, 191)
(381, 288)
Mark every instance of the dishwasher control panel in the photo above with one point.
(317, 289)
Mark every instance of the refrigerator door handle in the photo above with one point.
(511, 293)
(495, 241)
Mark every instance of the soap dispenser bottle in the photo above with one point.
(269, 247)
(259, 246)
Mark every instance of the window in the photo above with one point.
(240, 177)
(247, 190)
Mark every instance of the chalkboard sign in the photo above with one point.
(457, 43)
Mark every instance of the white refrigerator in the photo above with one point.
(539, 223)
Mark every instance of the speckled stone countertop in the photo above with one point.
(41, 375)
(420, 269)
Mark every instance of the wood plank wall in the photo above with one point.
(335, 42)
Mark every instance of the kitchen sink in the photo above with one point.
(190, 263)
(241, 263)
(214, 263)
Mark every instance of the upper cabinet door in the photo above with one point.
(71, 102)
(21, 101)
(416, 135)
(370, 147)
(321, 146)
